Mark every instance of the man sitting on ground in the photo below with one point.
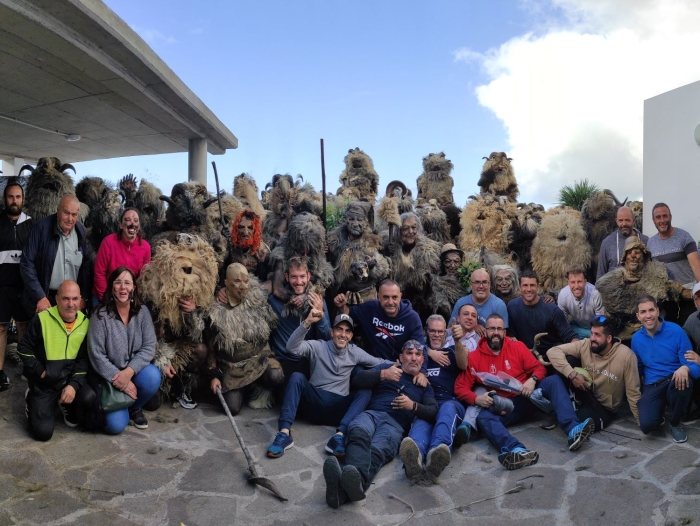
(54, 353)
(428, 442)
(580, 301)
(498, 354)
(602, 370)
(324, 398)
(374, 435)
(667, 376)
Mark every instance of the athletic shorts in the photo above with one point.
(11, 306)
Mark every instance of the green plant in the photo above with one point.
(575, 195)
(464, 274)
(334, 212)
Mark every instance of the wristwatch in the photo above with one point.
(536, 379)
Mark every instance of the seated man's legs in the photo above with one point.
(679, 400)
(591, 408)
(651, 406)
(448, 419)
(577, 432)
(42, 402)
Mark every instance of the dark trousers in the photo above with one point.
(373, 440)
(655, 398)
(43, 401)
(589, 406)
(428, 436)
(319, 406)
(554, 390)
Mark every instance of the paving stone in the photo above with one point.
(44, 506)
(129, 479)
(253, 432)
(219, 472)
(8, 488)
(348, 514)
(540, 492)
(75, 477)
(61, 452)
(666, 466)
(380, 502)
(540, 520)
(27, 465)
(607, 462)
(690, 484)
(606, 504)
(102, 518)
(202, 511)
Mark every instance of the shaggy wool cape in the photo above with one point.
(45, 187)
(413, 271)
(238, 336)
(246, 191)
(487, 223)
(359, 180)
(498, 178)
(435, 182)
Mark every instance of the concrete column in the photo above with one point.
(19, 162)
(197, 161)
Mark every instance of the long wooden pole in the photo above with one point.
(323, 183)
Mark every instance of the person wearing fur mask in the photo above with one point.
(353, 250)
(247, 246)
(446, 288)
(504, 282)
(237, 337)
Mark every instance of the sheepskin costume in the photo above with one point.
(238, 337)
(359, 180)
(434, 221)
(358, 265)
(560, 243)
(598, 221)
(525, 226)
(497, 177)
(435, 182)
(487, 223)
(285, 200)
(246, 191)
(151, 208)
(46, 185)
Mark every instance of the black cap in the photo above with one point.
(340, 318)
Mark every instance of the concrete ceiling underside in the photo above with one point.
(75, 67)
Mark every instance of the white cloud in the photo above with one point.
(571, 96)
(467, 55)
(153, 35)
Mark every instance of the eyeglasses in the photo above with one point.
(495, 329)
(435, 331)
(479, 283)
(410, 345)
(119, 283)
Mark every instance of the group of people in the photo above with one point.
(391, 382)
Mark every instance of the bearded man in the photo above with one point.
(639, 275)
(353, 250)
(237, 337)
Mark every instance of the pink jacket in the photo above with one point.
(114, 253)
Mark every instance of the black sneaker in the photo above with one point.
(691, 417)
(437, 460)
(186, 401)
(335, 494)
(411, 457)
(137, 419)
(351, 481)
(463, 434)
(517, 458)
(4, 381)
(69, 416)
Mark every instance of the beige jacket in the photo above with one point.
(614, 374)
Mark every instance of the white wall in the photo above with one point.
(672, 157)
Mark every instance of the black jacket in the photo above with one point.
(13, 238)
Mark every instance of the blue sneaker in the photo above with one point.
(579, 434)
(280, 444)
(517, 458)
(336, 446)
(463, 434)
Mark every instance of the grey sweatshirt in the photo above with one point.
(113, 346)
(330, 366)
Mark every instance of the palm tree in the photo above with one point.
(575, 195)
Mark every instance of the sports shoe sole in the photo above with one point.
(437, 460)
(411, 458)
(518, 460)
(583, 435)
(351, 481)
(462, 436)
(187, 405)
(335, 495)
(693, 418)
(138, 426)
(680, 440)
(274, 455)
(64, 412)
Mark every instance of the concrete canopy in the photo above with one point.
(75, 67)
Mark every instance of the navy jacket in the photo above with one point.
(38, 257)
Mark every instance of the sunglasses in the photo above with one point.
(600, 319)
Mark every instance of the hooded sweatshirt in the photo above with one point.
(514, 359)
(614, 375)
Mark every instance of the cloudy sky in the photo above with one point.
(557, 84)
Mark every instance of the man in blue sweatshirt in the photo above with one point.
(388, 322)
(374, 435)
(324, 398)
(667, 376)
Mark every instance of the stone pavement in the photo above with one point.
(188, 468)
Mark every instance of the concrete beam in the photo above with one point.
(197, 161)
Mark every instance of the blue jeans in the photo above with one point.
(582, 332)
(373, 440)
(319, 406)
(655, 398)
(494, 426)
(428, 436)
(147, 382)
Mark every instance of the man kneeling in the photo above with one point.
(495, 354)
(374, 435)
(325, 398)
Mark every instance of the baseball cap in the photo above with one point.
(696, 288)
(340, 318)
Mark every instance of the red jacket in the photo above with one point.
(114, 253)
(514, 359)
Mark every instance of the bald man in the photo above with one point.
(612, 246)
(55, 252)
(481, 297)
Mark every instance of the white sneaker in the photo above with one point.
(186, 401)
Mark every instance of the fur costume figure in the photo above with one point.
(237, 338)
(89, 190)
(104, 217)
(598, 221)
(305, 238)
(434, 221)
(286, 199)
(128, 188)
(638, 275)
(246, 191)
(526, 223)
(637, 208)
(211, 229)
(151, 208)
(559, 244)
(185, 269)
(46, 185)
(487, 223)
(446, 288)
(359, 180)
(354, 252)
(247, 246)
(435, 182)
(397, 201)
(497, 177)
